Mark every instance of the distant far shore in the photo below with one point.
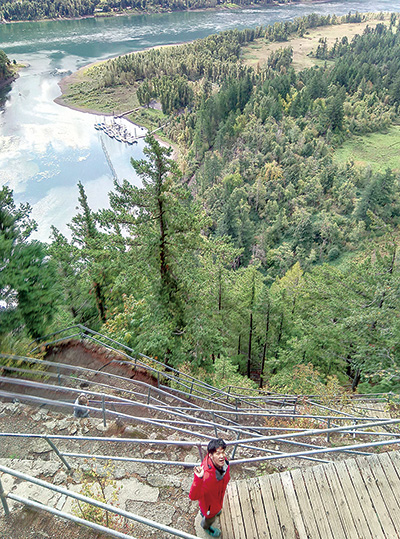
(135, 11)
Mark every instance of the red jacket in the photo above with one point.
(208, 490)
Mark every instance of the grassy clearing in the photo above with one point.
(81, 91)
(379, 151)
(259, 50)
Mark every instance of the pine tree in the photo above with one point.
(161, 228)
(94, 253)
(28, 283)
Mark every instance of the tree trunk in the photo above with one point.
(220, 301)
(250, 343)
(264, 350)
(279, 336)
(356, 380)
(390, 271)
(100, 302)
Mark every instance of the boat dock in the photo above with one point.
(118, 132)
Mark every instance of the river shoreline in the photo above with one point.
(71, 79)
(8, 81)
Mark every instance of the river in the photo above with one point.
(45, 149)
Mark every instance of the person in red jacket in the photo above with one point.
(209, 484)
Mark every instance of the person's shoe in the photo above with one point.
(214, 532)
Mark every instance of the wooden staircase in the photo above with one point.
(349, 499)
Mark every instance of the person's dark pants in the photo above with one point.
(207, 522)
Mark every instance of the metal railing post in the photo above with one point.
(236, 406)
(3, 498)
(328, 433)
(236, 446)
(54, 448)
(215, 426)
(103, 407)
(200, 452)
(93, 502)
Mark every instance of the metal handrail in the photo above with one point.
(161, 388)
(197, 421)
(92, 371)
(89, 371)
(282, 438)
(189, 420)
(114, 414)
(164, 408)
(67, 516)
(277, 455)
(318, 451)
(175, 410)
(157, 423)
(186, 419)
(91, 501)
(86, 331)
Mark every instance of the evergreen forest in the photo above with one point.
(31, 10)
(254, 257)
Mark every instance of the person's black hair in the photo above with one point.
(215, 444)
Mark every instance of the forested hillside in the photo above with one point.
(30, 10)
(259, 251)
(5, 67)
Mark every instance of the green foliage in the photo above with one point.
(74, 279)
(226, 374)
(88, 266)
(29, 10)
(262, 256)
(28, 284)
(373, 150)
(5, 66)
(345, 315)
(173, 92)
(304, 379)
(161, 228)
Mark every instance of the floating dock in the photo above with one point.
(117, 131)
